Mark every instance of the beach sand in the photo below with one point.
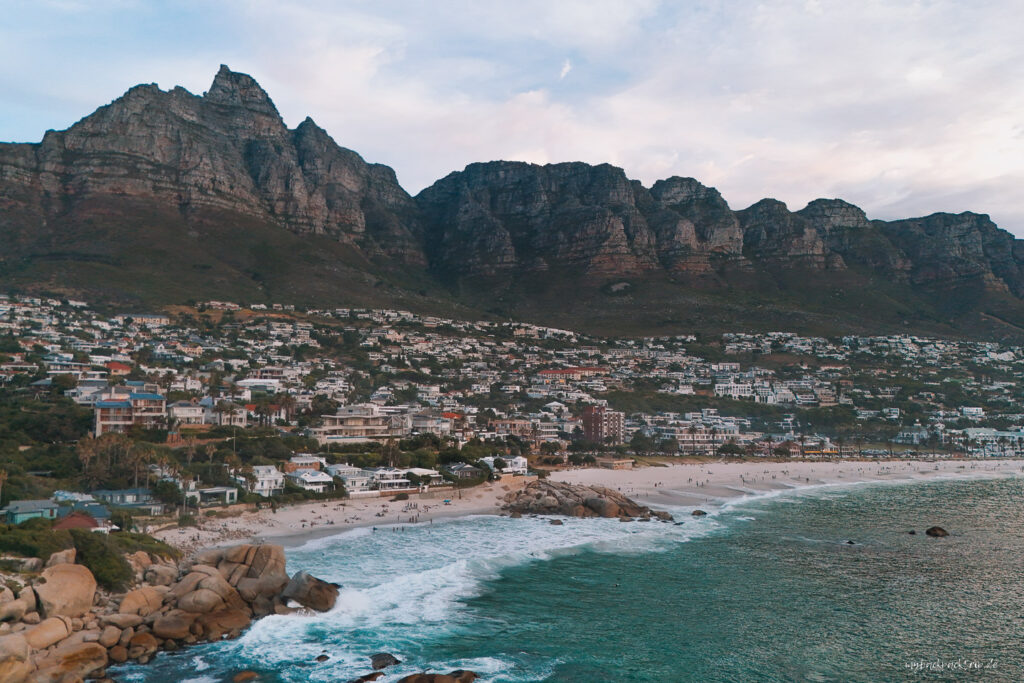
(703, 485)
(712, 484)
(295, 524)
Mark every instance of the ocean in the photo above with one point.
(765, 589)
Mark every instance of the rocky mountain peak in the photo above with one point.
(827, 214)
(235, 89)
(676, 190)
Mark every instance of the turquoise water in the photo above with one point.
(765, 590)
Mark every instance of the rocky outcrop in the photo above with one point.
(936, 532)
(73, 632)
(545, 497)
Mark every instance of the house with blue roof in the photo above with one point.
(19, 511)
(121, 410)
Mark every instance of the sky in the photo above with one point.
(904, 108)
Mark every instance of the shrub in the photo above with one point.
(400, 496)
(186, 520)
(100, 554)
(130, 543)
(27, 541)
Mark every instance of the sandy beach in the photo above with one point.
(295, 524)
(705, 485)
(713, 484)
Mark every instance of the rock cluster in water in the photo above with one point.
(61, 628)
(545, 497)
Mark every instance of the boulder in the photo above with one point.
(603, 507)
(109, 636)
(72, 662)
(228, 622)
(122, 621)
(556, 522)
(383, 660)
(142, 601)
(160, 575)
(245, 676)
(176, 624)
(62, 557)
(936, 532)
(118, 654)
(15, 658)
(698, 513)
(48, 632)
(251, 588)
(663, 515)
(202, 600)
(65, 590)
(366, 678)
(459, 676)
(311, 592)
(6, 595)
(142, 645)
(13, 610)
(268, 561)
(216, 584)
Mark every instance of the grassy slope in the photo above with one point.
(159, 257)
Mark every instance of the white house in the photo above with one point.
(356, 479)
(388, 479)
(514, 464)
(269, 480)
(311, 480)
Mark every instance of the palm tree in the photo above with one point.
(287, 403)
(692, 431)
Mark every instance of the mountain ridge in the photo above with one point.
(161, 196)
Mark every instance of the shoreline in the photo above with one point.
(709, 485)
(715, 485)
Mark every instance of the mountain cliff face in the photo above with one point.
(227, 150)
(215, 196)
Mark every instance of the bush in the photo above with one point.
(100, 554)
(130, 543)
(400, 496)
(186, 520)
(27, 541)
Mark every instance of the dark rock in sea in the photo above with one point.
(662, 515)
(458, 676)
(850, 543)
(912, 532)
(382, 660)
(556, 522)
(245, 676)
(936, 532)
(322, 658)
(698, 513)
(366, 678)
(516, 515)
(311, 592)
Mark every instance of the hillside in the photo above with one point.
(165, 196)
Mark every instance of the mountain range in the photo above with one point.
(162, 197)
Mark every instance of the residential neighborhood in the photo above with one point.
(374, 402)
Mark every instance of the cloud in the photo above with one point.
(903, 108)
